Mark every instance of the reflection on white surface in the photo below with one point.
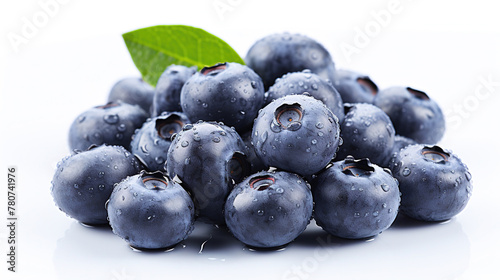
(409, 249)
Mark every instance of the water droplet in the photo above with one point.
(196, 138)
(375, 214)
(136, 194)
(144, 148)
(122, 127)
(271, 218)
(119, 136)
(115, 167)
(297, 205)
(367, 123)
(159, 160)
(81, 119)
(385, 187)
(205, 105)
(320, 134)
(357, 214)
(384, 205)
(308, 150)
(253, 84)
(314, 141)
(75, 186)
(319, 125)
(187, 161)
(118, 212)
(184, 143)
(101, 187)
(260, 212)
(314, 86)
(216, 139)
(111, 118)
(406, 171)
(279, 190)
(233, 99)
(468, 176)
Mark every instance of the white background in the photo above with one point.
(450, 49)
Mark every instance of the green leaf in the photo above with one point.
(154, 48)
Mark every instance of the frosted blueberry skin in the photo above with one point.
(84, 181)
(228, 92)
(414, 114)
(269, 209)
(367, 132)
(151, 142)
(110, 124)
(355, 87)
(355, 199)
(306, 82)
(296, 133)
(150, 211)
(277, 54)
(133, 91)
(167, 94)
(435, 184)
(208, 159)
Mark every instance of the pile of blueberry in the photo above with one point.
(262, 149)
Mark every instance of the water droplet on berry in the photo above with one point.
(468, 176)
(101, 187)
(319, 125)
(279, 190)
(260, 212)
(122, 127)
(406, 171)
(81, 119)
(216, 139)
(144, 149)
(159, 160)
(385, 187)
(111, 118)
(184, 143)
(314, 141)
(271, 218)
(75, 186)
(253, 84)
(357, 214)
(118, 212)
(119, 136)
(204, 105)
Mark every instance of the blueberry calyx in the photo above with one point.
(418, 93)
(214, 70)
(167, 127)
(367, 84)
(261, 183)
(238, 167)
(154, 180)
(435, 154)
(108, 105)
(288, 116)
(357, 167)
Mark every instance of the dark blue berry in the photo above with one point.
(277, 54)
(111, 124)
(355, 199)
(133, 91)
(435, 185)
(150, 143)
(229, 92)
(167, 96)
(296, 133)
(84, 181)
(150, 211)
(367, 132)
(355, 87)
(414, 114)
(208, 159)
(269, 209)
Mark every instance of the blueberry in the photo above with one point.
(150, 143)
(413, 113)
(367, 133)
(150, 211)
(269, 209)
(355, 87)
(310, 83)
(167, 95)
(208, 159)
(296, 133)
(355, 199)
(111, 124)
(133, 91)
(229, 92)
(277, 54)
(84, 181)
(435, 185)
